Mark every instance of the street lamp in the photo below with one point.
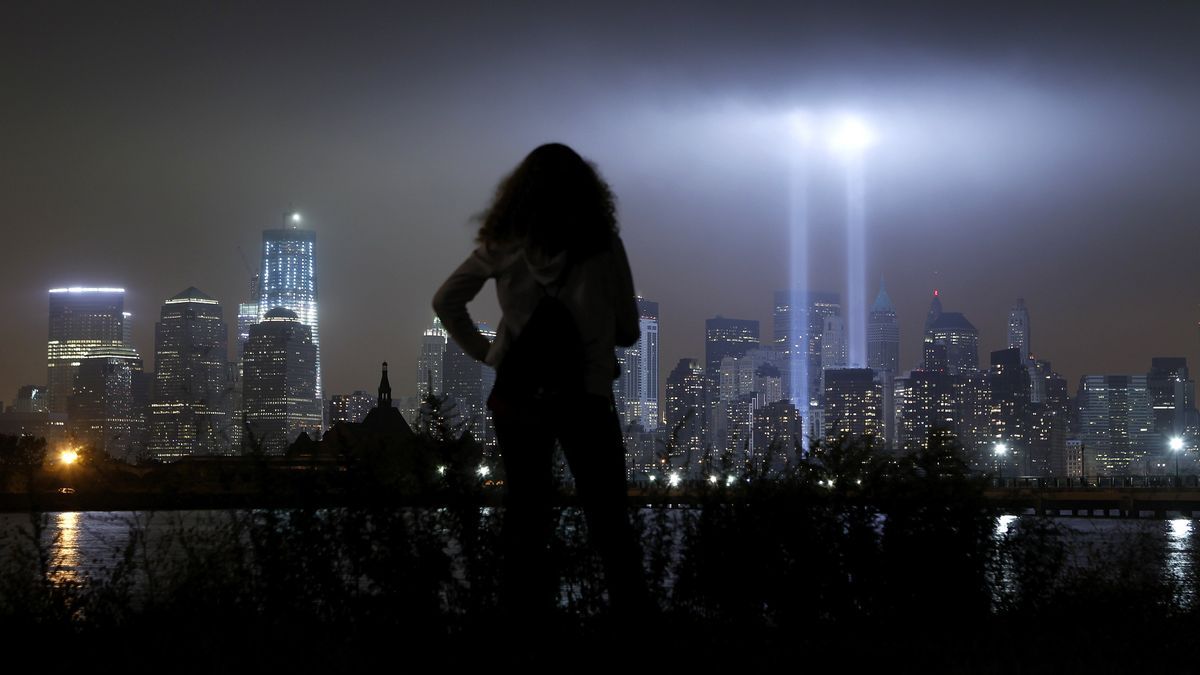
(1001, 450)
(1176, 444)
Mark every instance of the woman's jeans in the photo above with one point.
(587, 428)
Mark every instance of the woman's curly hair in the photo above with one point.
(554, 200)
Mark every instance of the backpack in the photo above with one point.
(547, 358)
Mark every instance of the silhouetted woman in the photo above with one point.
(549, 240)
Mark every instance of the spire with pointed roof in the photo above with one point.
(883, 302)
(935, 310)
(385, 390)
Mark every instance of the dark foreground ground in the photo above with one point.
(666, 645)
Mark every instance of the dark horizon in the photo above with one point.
(1043, 153)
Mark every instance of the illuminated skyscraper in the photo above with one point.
(1116, 422)
(883, 335)
(289, 280)
(925, 404)
(279, 387)
(1172, 394)
(430, 364)
(469, 382)
(722, 337)
(1011, 415)
(637, 386)
(725, 337)
(107, 404)
(81, 319)
(853, 404)
(804, 313)
(1018, 328)
(685, 406)
(961, 340)
(193, 397)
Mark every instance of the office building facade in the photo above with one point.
(81, 319)
(279, 383)
(192, 410)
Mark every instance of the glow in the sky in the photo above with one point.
(851, 136)
(849, 139)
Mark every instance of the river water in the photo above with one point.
(91, 544)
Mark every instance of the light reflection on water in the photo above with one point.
(1180, 558)
(83, 545)
(1004, 524)
(65, 560)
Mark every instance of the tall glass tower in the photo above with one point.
(637, 387)
(883, 335)
(289, 279)
(192, 398)
(81, 319)
(1018, 328)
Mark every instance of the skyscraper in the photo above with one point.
(469, 382)
(925, 404)
(1172, 395)
(289, 280)
(280, 379)
(961, 340)
(637, 386)
(853, 404)
(429, 365)
(193, 398)
(685, 406)
(725, 337)
(81, 319)
(883, 335)
(835, 352)
(1011, 414)
(1116, 422)
(107, 405)
(799, 328)
(1018, 328)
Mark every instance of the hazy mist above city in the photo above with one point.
(1022, 151)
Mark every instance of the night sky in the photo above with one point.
(1050, 154)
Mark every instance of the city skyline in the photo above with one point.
(1021, 163)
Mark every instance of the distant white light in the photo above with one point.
(441, 471)
(673, 479)
(730, 480)
(483, 470)
(1001, 448)
(1176, 444)
(652, 479)
(851, 136)
(295, 218)
(712, 479)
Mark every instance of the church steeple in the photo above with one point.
(385, 390)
